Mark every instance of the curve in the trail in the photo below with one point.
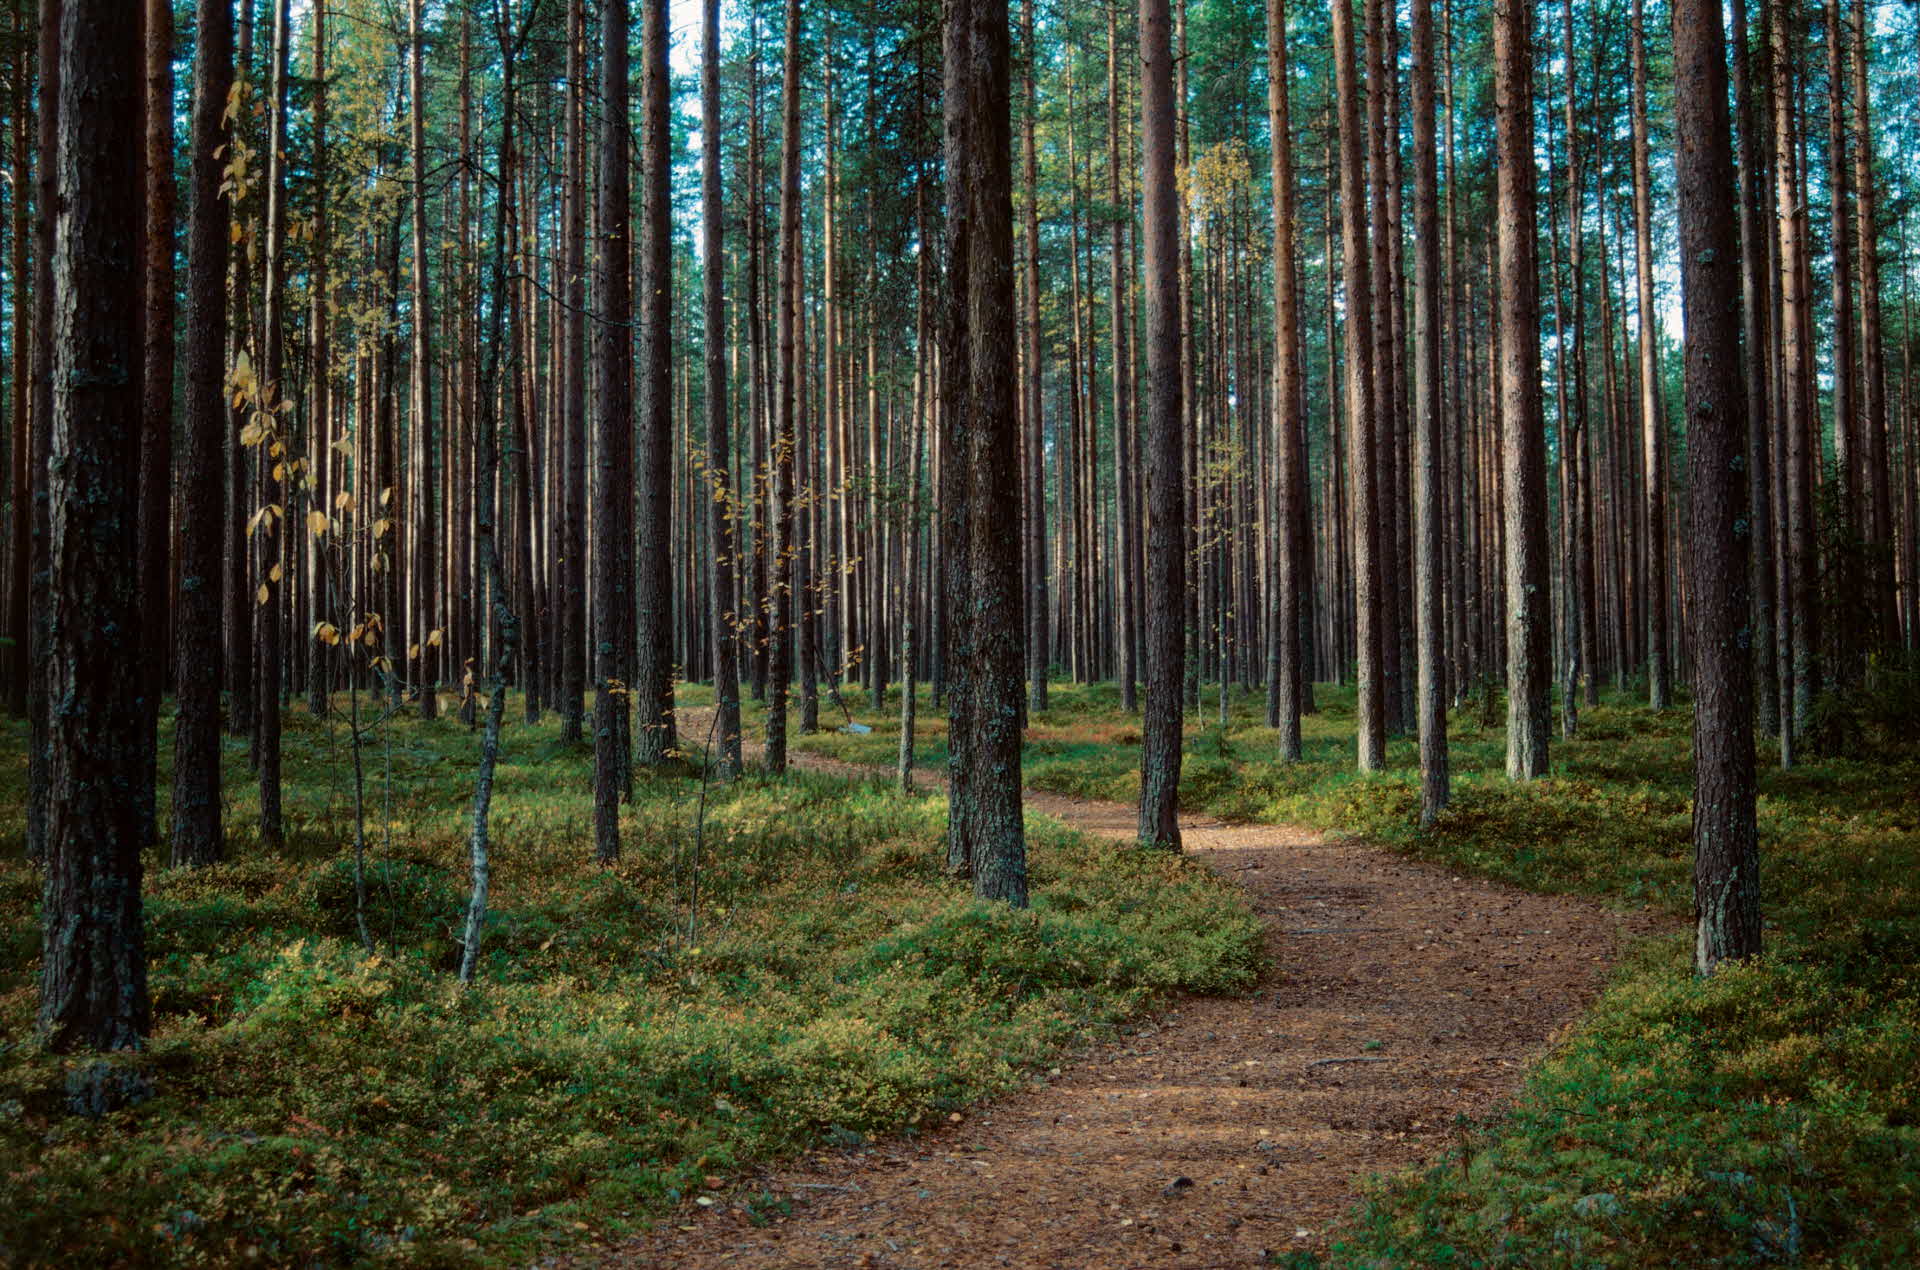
(1401, 996)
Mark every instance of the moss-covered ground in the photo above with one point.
(1768, 1115)
(772, 965)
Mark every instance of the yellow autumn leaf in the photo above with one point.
(317, 522)
(262, 593)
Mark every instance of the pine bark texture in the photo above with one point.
(980, 137)
(1287, 672)
(613, 422)
(1726, 856)
(198, 649)
(1166, 525)
(1653, 426)
(1523, 447)
(722, 518)
(653, 643)
(1370, 708)
(93, 987)
(1428, 431)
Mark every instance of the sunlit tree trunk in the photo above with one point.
(1284, 636)
(1166, 499)
(1653, 426)
(1371, 707)
(1427, 426)
(1523, 443)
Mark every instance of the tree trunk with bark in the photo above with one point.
(1523, 446)
(93, 985)
(197, 647)
(1166, 499)
(1726, 856)
(1427, 427)
(1370, 710)
(613, 424)
(653, 642)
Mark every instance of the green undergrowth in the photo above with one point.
(1769, 1115)
(313, 1104)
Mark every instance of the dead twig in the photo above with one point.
(1328, 1062)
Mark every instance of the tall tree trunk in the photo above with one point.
(1756, 302)
(1846, 456)
(93, 985)
(15, 666)
(1523, 447)
(1795, 373)
(197, 648)
(1726, 869)
(781, 602)
(39, 596)
(980, 192)
(1653, 426)
(493, 591)
(1126, 520)
(1166, 498)
(1370, 709)
(1283, 635)
(1039, 633)
(653, 670)
(572, 634)
(1427, 426)
(613, 424)
(271, 481)
(156, 427)
(426, 555)
(723, 518)
(1872, 397)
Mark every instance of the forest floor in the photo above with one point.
(1230, 1130)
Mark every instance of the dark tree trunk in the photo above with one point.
(1726, 870)
(1166, 528)
(723, 518)
(1756, 304)
(39, 598)
(571, 633)
(980, 156)
(653, 641)
(955, 671)
(23, 477)
(613, 422)
(197, 650)
(93, 987)
(156, 436)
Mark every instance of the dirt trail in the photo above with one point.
(1220, 1131)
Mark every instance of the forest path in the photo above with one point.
(1216, 1132)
